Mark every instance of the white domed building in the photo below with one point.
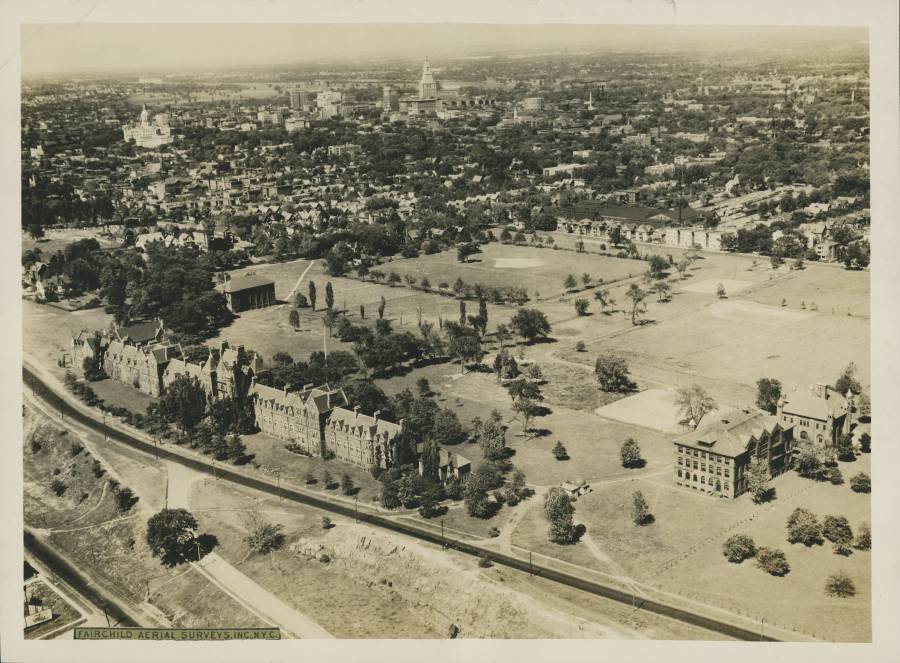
(149, 134)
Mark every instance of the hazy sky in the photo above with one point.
(162, 47)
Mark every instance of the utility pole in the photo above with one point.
(443, 545)
(105, 614)
(530, 565)
(105, 438)
(356, 507)
(761, 624)
(155, 447)
(278, 481)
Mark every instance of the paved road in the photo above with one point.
(725, 624)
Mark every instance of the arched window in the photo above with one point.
(820, 439)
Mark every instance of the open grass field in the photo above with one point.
(57, 240)
(498, 265)
(828, 286)
(679, 548)
(47, 331)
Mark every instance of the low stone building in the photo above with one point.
(248, 291)
(715, 457)
(819, 415)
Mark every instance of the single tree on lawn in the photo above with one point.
(312, 295)
(612, 374)
(637, 295)
(604, 298)
(569, 283)
(171, 536)
(381, 306)
(521, 388)
(300, 300)
(630, 453)
(362, 311)
(475, 495)
(559, 452)
(640, 510)
(772, 561)
(462, 313)
(327, 480)
(720, 291)
(837, 530)
(840, 585)
(694, 403)
(861, 483)
(809, 465)
(528, 409)
(347, 486)
(581, 306)
(262, 536)
(295, 318)
(329, 296)
(586, 279)
(848, 381)
(530, 324)
(560, 512)
(758, 482)
(863, 539)
(516, 488)
(803, 527)
(663, 291)
(502, 333)
(768, 392)
(738, 547)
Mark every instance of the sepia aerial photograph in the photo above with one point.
(469, 331)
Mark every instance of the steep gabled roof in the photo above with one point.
(729, 433)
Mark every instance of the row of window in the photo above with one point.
(702, 454)
(702, 479)
(713, 467)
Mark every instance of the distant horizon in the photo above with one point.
(87, 49)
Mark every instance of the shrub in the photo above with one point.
(35, 445)
(834, 475)
(630, 454)
(803, 527)
(738, 547)
(580, 347)
(325, 558)
(58, 487)
(326, 522)
(840, 586)
(484, 561)
(125, 499)
(861, 483)
(75, 449)
(772, 561)
(837, 529)
(559, 452)
(863, 537)
(494, 532)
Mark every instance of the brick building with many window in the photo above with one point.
(715, 457)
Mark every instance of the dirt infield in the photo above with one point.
(654, 408)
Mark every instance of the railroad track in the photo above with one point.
(46, 393)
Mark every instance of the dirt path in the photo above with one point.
(290, 296)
